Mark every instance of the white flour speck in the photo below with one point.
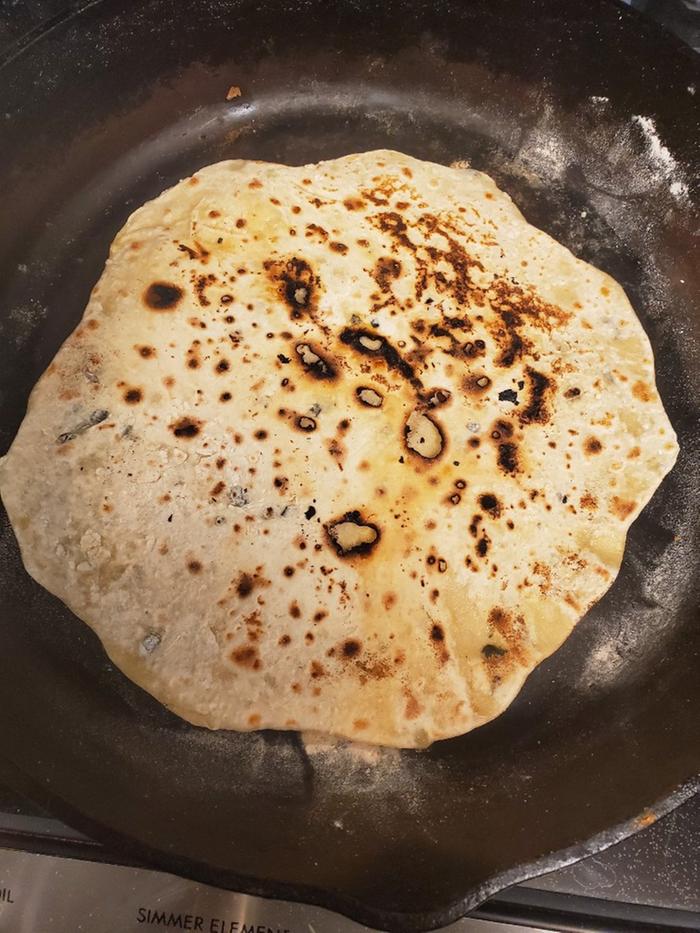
(361, 768)
(658, 153)
(23, 320)
(660, 157)
(678, 189)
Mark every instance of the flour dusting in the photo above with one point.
(359, 768)
(659, 155)
(678, 189)
(22, 321)
(603, 665)
(623, 158)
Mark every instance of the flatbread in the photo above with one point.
(348, 447)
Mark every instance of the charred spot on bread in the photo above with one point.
(162, 296)
(350, 535)
(315, 363)
(186, 427)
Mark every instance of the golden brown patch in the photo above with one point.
(545, 573)
(592, 445)
(621, 508)
(588, 501)
(646, 819)
(194, 566)
(317, 670)
(517, 308)
(634, 453)
(246, 656)
(413, 709)
(336, 450)
(497, 661)
(295, 284)
(437, 638)
(642, 391)
(510, 627)
(317, 230)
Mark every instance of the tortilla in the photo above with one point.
(348, 447)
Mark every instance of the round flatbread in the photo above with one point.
(347, 447)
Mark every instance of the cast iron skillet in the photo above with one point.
(107, 106)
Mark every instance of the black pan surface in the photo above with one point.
(587, 115)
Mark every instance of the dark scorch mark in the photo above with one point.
(369, 343)
(162, 296)
(351, 535)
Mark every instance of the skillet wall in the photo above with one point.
(116, 103)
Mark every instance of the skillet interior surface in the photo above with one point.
(587, 115)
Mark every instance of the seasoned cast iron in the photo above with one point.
(586, 114)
